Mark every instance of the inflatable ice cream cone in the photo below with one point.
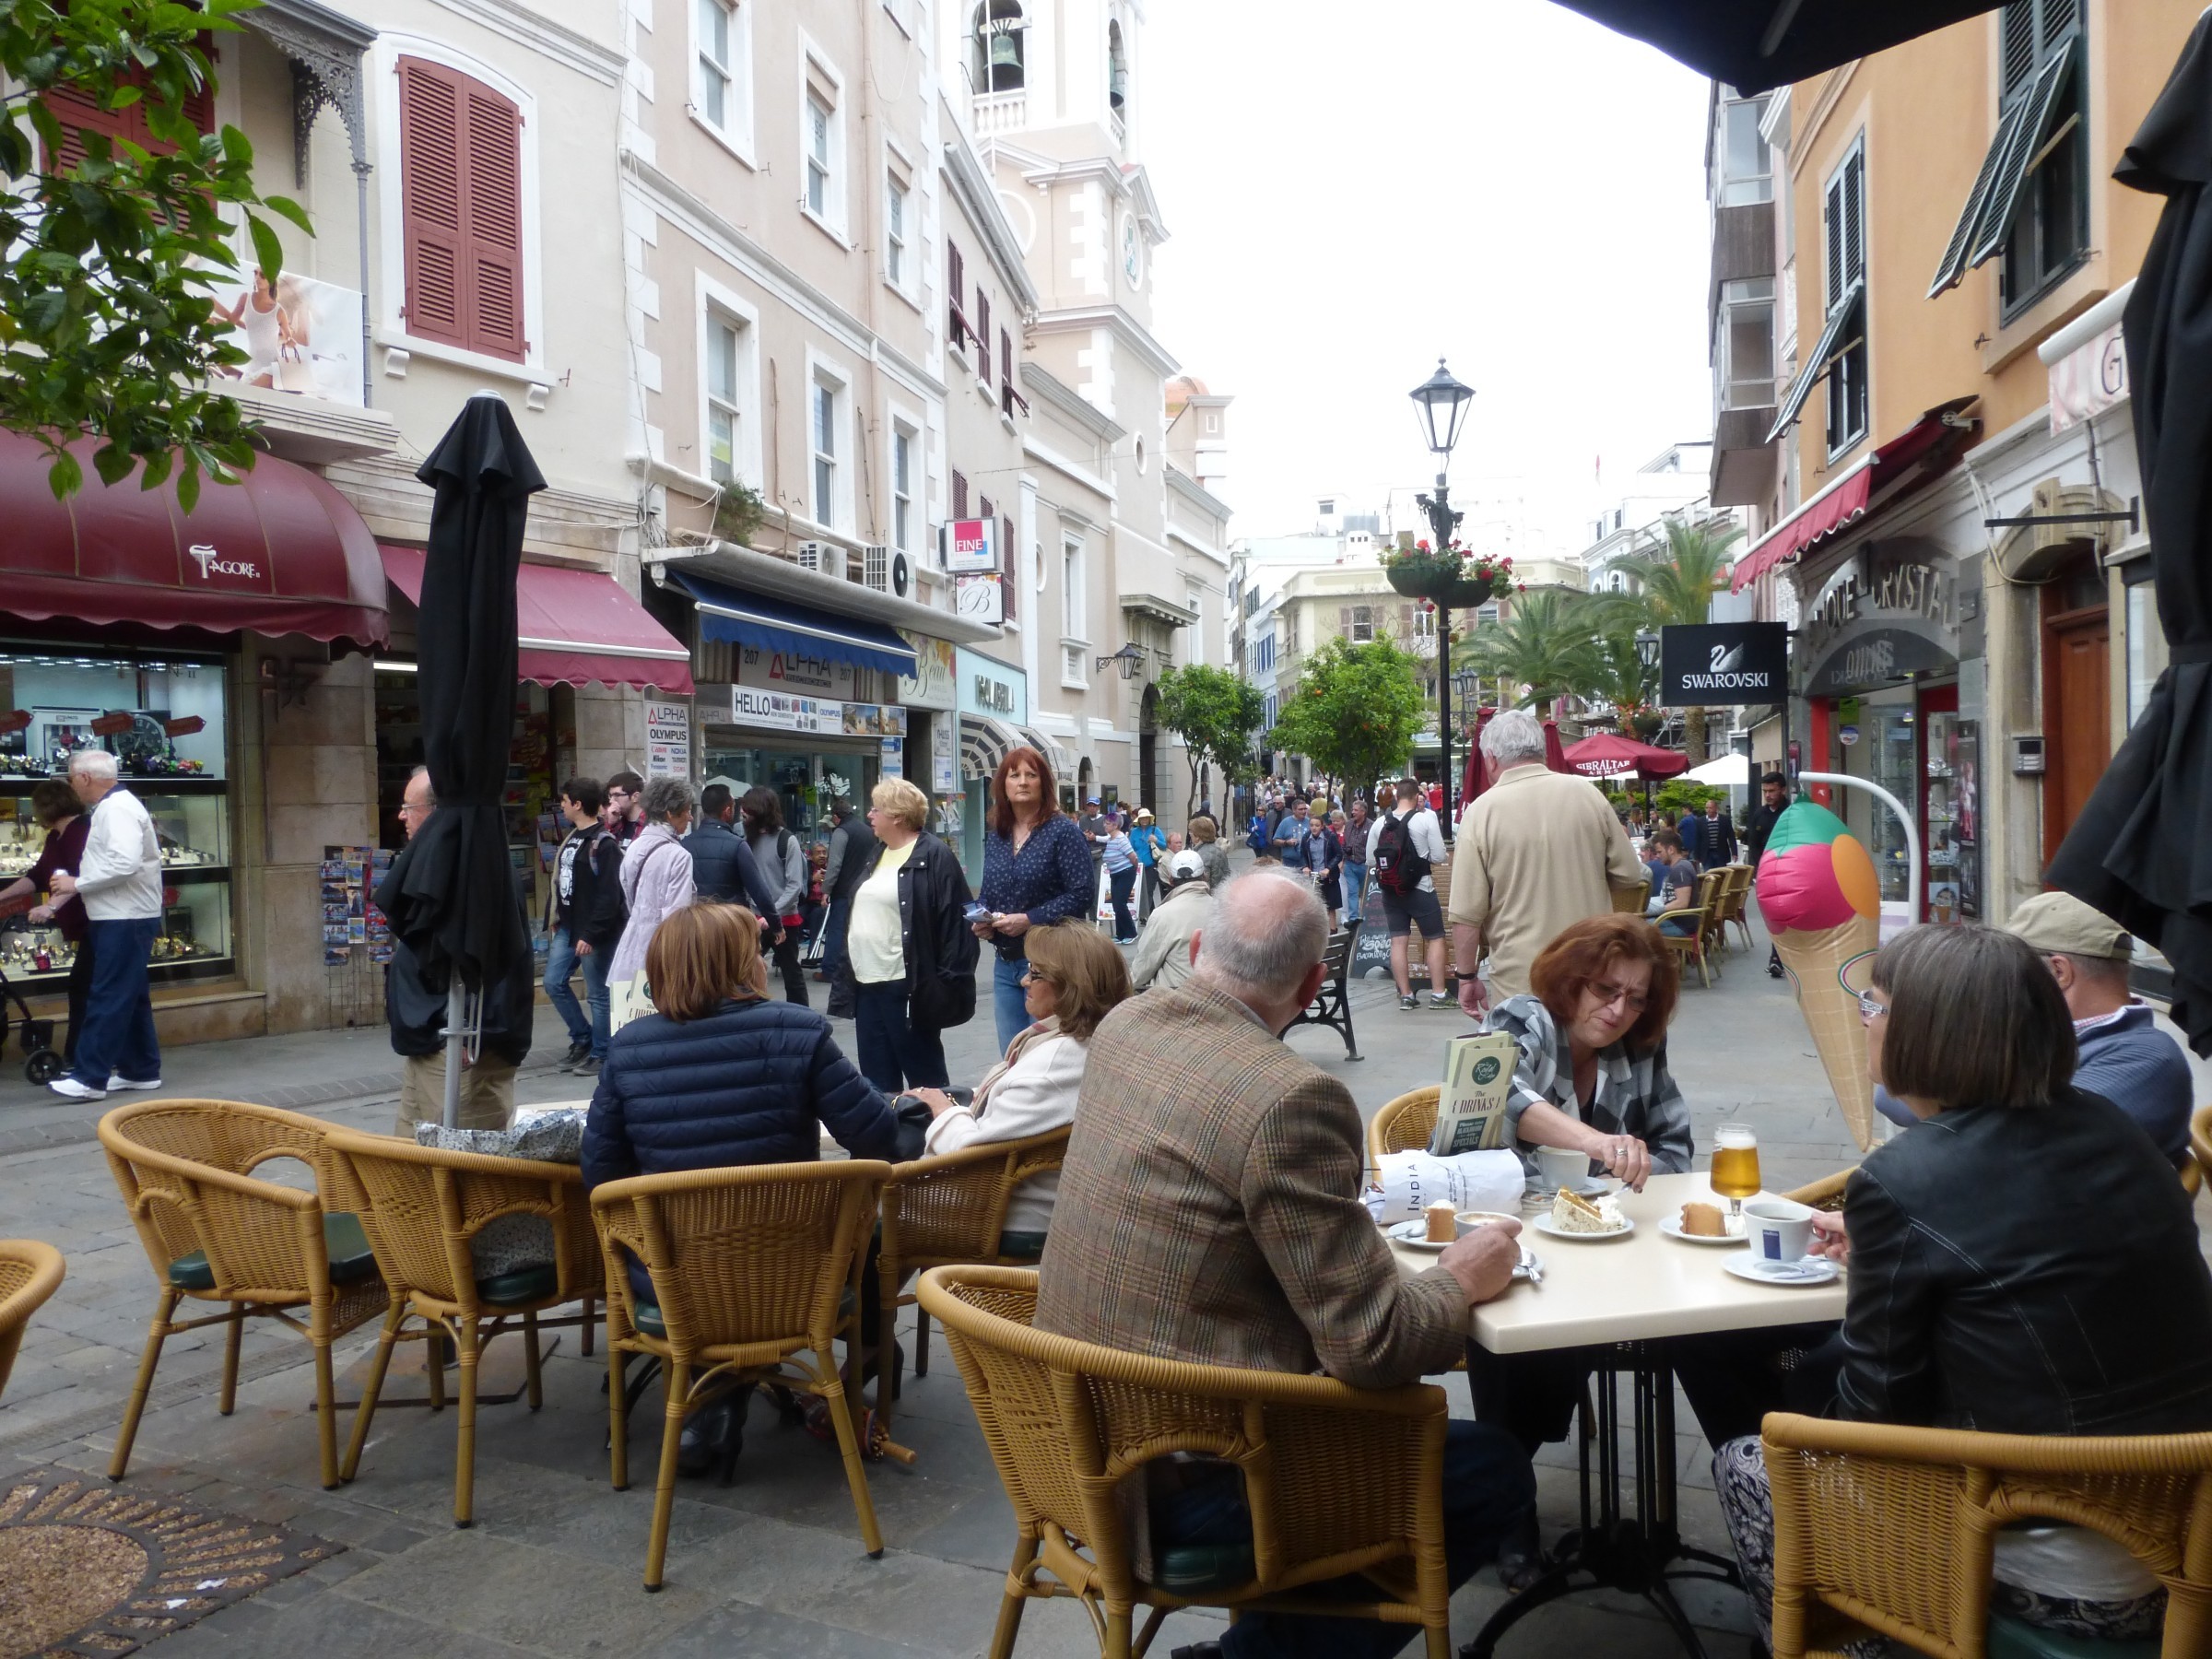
(1821, 902)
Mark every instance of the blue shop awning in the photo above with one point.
(737, 617)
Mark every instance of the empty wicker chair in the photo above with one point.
(937, 1211)
(1886, 1531)
(425, 1207)
(750, 1267)
(29, 1272)
(1826, 1193)
(215, 1234)
(1403, 1124)
(1338, 1479)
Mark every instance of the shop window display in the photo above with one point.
(163, 717)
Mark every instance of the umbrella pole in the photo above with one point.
(456, 1041)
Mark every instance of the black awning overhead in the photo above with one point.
(1754, 44)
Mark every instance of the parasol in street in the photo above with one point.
(2141, 850)
(1555, 756)
(1725, 771)
(451, 893)
(1754, 44)
(1609, 755)
(1473, 779)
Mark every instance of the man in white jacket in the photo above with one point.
(118, 882)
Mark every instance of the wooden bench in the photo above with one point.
(1331, 1005)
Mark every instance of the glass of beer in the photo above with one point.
(1735, 1166)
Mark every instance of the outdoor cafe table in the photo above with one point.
(1625, 1297)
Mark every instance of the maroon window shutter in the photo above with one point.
(956, 274)
(78, 114)
(431, 212)
(1005, 368)
(959, 495)
(495, 224)
(1006, 531)
(983, 337)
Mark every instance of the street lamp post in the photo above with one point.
(1442, 402)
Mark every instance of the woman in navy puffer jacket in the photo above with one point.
(721, 1076)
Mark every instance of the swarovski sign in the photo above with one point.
(212, 563)
(1722, 663)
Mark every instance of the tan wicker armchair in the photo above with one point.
(1735, 902)
(216, 1233)
(2200, 1148)
(1888, 1531)
(1699, 947)
(1826, 1193)
(1340, 1480)
(749, 1266)
(1631, 900)
(939, 1211)
(1403, 1124)
(30, 1272)
(424, 1205)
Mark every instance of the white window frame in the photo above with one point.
(391, 326)
(735, 133)
(1194, 597)
(813, 62)
(822, 375)
(1363, 615)
(1424, 623)
(904, 425)
(1075, 591)
(905, 279)
(1729, 388)
(714, 303)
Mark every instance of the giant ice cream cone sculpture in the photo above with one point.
(1822, 905)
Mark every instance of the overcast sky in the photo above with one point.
(1351, 190)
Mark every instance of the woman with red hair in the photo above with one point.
(1036, 871)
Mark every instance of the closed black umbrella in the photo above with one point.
(1755, 44)
(451, 893)
(2141, 851)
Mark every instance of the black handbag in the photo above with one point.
(914, 1122)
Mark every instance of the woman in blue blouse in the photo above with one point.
(1036, 871)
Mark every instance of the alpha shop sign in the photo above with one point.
(1882, 619)
(789, 671)
(1716, 663)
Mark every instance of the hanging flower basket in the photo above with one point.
(1645, 724)
(1453, 579)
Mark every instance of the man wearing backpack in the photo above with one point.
(583, 917)
(1400, 850)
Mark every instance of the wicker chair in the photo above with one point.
(1340, 1480)
(1403, 1124)
(2200, 1148)
(940, 1211)
(424, 1205)
(750, 1266)
(216, 1234)
(1699, 945)
(1631, 900)
(1735, 903)
(1826, 1193)
(29, 1272)
(1888, 1531)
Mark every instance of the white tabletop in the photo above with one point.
(1640, 1286)
(830, 1146)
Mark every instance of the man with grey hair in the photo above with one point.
(1537, 851)
(118, 881)
(1208, 1212)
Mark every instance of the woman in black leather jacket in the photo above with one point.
(2022, 1262)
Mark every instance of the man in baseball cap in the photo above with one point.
(1163, 952)
(2123, 1055)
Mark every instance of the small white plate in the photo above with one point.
(1590, 1187)
(1672, 1227)
(1811, 1270)
(1414, 1235)
(1545, 1225)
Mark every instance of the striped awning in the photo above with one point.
(1058, 759)
(984, 742)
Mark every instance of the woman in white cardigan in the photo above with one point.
(1075, 976)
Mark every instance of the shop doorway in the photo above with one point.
(1148, 792)
(2077, 733)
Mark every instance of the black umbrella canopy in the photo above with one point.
(1754, 44)
(2141, 851)
(450, 895)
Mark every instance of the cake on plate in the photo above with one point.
(1570, 1212)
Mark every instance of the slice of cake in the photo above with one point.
(1704, 1221)
(1570, 1212)
(1443, 1226)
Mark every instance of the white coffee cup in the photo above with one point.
(1778, 1229)
(1561, 1166)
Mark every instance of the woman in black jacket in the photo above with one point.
(2022, 1262)
(909, 951)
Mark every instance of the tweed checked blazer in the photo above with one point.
(1209, 1208)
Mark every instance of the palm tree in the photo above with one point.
(1677, 584)
(1621, 680)
(1545, 640)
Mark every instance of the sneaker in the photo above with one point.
(1409, 1002)
(1441, 1002)
(586, 1067)
(578, 1050)
(69, 1088)
(117, 1080)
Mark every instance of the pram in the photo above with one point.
(41, 1063)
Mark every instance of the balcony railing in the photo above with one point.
(1120, 123)
(1000, 112)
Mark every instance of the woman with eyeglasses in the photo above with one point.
(1592, 1077)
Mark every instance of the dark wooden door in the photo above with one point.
(2077, 734)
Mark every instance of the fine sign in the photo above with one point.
(970, 545)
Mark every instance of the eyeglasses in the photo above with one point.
(1868, 1007)
(1032, 977)
(1607, 996)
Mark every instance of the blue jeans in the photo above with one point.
(894, 1055)
(1009, 1002)
(1488, 1487)
(1355, 889)
(1120, 885)
(561, 963)
(118, 1038)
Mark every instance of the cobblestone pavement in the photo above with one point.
(772, 1563)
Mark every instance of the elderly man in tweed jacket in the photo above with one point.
(1209, 1211)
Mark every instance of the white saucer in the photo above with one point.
(1672, 1227)
(1811, 1270)
(1590, 1187)
(1543, 1224)
(1414, 1235)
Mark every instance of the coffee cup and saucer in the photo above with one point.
(1779, 1232)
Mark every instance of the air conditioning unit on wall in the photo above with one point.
(825, 557)
(876, 568)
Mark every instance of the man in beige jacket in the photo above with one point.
(1537, 851)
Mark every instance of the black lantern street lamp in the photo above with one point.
(1129, 658)
(1647, 649)
(1443, 403)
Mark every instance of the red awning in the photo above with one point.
(1930, 444)
(574, 627)
(279, 552)
(1608, 755)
